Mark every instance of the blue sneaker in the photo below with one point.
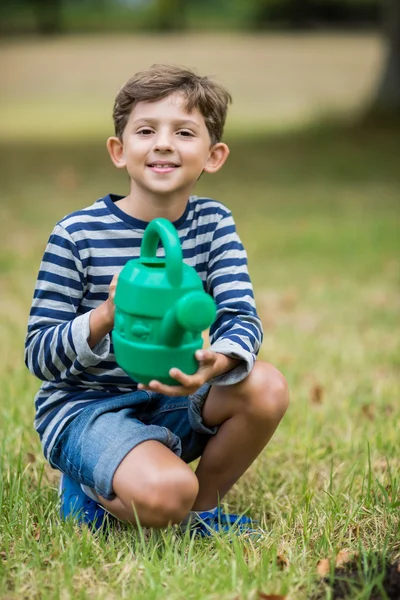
(77, 505)
(209, 523)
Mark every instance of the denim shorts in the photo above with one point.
(92, 445)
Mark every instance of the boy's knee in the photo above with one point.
(267, 394)
(166, 496)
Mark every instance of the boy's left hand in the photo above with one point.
(211, 364)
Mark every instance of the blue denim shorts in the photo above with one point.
(92, 445)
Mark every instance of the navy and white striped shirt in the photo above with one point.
(83, 253)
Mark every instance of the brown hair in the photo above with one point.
(158, 81)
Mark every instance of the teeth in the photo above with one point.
(163, 166)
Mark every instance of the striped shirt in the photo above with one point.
(84, 251)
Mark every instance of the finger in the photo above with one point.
(157, 386)
(114, 281)
(176, 391)
(142, 386)
(188, 381)
(169, 390)
(206, 356)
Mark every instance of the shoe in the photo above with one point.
(209, 523)
(77, 505)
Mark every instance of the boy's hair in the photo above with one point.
(159, 81)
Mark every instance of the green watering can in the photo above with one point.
(160, 310)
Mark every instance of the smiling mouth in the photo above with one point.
(163, 165)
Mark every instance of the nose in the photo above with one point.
(163, 141)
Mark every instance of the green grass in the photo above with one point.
(318, 211)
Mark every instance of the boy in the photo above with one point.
(123, 446)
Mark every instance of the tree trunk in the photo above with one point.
(387, 99)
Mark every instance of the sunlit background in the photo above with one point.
(63, 61)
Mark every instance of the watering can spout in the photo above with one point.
(194, 312)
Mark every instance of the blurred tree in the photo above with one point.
(387, 99)
(170, 15)
(313, 14)
(48, 16)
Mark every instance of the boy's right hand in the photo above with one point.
(110, 304)
(102, 318)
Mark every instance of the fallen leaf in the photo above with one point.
(343, 557)
(31, 458)
(369, 411)
(3, 556)
(289, 300)
(282, 561)
(36, 532)
(323, 567)
(316, 393)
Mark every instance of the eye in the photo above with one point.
(185, 133)
(145, 131)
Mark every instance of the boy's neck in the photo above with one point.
(146, 208)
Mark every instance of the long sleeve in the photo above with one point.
(237, 330)
(56, 347)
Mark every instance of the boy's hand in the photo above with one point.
(211, 364)
(109, 303)
(102, 318)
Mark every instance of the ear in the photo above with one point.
(217, 157)
(116, 151)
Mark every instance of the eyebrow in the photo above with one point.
(179, 122)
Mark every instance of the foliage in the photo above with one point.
(55, 16)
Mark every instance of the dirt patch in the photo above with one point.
(374, 572)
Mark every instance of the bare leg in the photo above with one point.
(158, 488)
(250, 412)
(154, 484)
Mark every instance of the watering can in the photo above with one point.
(160, 310)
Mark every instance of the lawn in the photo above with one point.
(318, 210)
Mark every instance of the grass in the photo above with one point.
(318, 211)
(64, 87)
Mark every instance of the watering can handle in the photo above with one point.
(162, 229)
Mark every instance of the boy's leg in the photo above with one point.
(248, 414)
(163, 489)
(156, 482)
(126, 461)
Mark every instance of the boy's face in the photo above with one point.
(164, 148)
